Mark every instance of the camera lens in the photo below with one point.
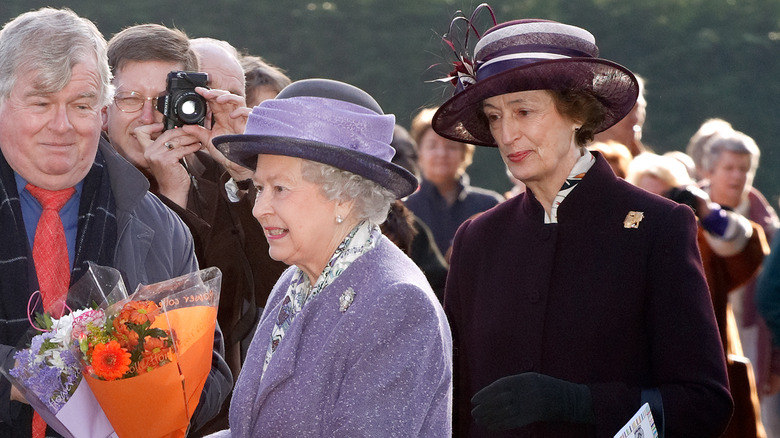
(191, 108)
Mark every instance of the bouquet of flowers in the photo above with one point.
(158, 341)
(48, 373)
(125, 345)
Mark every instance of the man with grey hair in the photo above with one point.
(54, 80)
(220, 60)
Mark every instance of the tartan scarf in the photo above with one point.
(95, 241)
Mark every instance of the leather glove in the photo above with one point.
(516, 401)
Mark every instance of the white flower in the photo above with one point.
(56, 360)
(63, 327)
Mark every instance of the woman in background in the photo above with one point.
(732, 250)
(445, 198)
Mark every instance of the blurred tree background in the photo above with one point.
(700, 58)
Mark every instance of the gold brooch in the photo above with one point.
(633, 218)
(346, 299)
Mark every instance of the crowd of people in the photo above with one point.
(368, 288)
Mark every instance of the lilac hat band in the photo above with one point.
(328, 121)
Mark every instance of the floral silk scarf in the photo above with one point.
(359, 241)
(583, 164)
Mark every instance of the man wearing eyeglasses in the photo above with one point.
(187, 173)
(132, 122)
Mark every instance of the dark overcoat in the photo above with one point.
(618, 304)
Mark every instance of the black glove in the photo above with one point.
(522, 399)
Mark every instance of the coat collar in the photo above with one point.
(588, 191)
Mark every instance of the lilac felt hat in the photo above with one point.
(325, 121)
(532, 54)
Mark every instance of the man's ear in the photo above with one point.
(104, 116)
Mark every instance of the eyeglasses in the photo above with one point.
(132, 101)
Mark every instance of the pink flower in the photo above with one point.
(80, 330)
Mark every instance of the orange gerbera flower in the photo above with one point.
(110, 361)
(139, 312)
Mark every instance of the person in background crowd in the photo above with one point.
(728, 161)
(732, 250)
(184, 174)
(707, 131)
(616, 154)
(445, 198)
(424, 251)
(54, 80)
(405, 151)
(628, 131)
(768, 304)
(352, 341)
(220, 60)
(399, 226)
(566, 301)
(686, 161)
(263, 80)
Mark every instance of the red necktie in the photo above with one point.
(50, 254)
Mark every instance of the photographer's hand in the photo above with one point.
(230, 114)
(163, 155)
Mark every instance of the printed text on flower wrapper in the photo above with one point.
(204, 297)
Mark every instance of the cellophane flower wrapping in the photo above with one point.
(147, 366)
(48, 373)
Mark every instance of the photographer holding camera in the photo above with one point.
(732, 249)
(162, 120)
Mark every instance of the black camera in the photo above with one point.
(181, 105)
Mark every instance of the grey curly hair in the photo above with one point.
(371, 201)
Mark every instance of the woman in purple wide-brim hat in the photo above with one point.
(352, 341)
(573, 304)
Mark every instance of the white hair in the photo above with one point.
(371, 201)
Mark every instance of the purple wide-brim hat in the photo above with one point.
(343, 133)
(532, 54)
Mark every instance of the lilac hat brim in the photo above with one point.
(460, 118)
(244, 149)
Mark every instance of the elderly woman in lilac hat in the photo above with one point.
(352, 341)
(573, 304)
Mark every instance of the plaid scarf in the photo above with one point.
(95, 241)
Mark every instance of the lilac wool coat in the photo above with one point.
(383, 367)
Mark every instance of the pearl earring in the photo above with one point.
(339, 219)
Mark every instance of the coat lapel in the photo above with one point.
(316, 318)
(282, 366)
